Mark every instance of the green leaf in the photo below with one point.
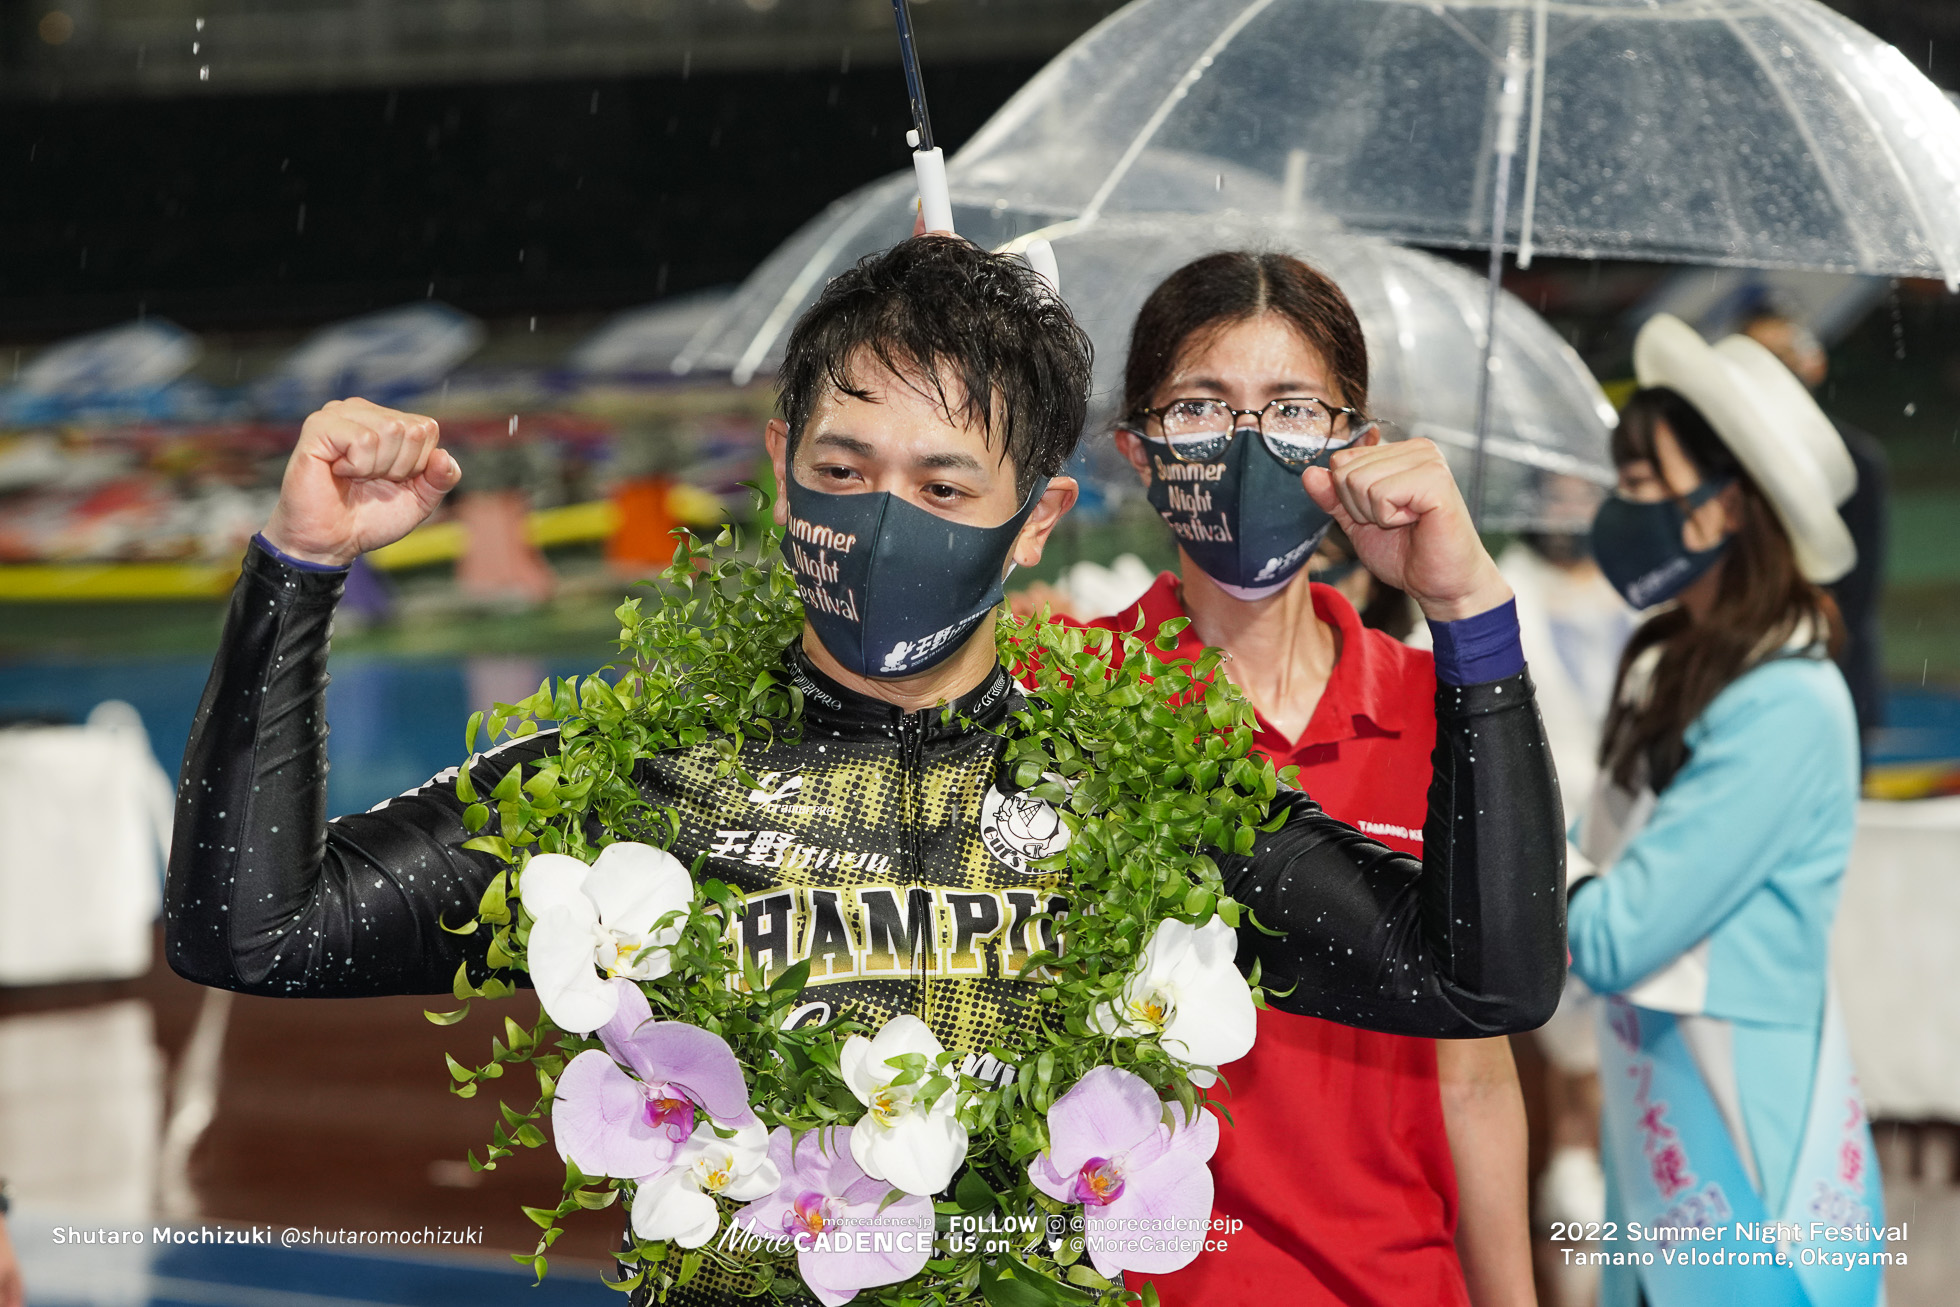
(491, 906)
(497, 954)
(972, 1193)
(457, 1071)
(1015, 1285)
(544, 1217)
(447, 1018)
(793, 980)
(490, 844)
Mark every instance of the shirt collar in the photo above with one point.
(1363, 685)
(836, 710)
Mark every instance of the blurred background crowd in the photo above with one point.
(576, 232)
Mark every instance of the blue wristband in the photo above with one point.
(1479, 649)
(290, 561)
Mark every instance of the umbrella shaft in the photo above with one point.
(915, 86)
(1499, 215)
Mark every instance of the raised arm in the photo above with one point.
(264, 894)
(1470, 940)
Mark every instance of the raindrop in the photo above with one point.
(844, 61)
(200, 24)
(513, 424)
(534, 327)
(302, 217)
(204, 73)
(595, 102)
(195, 46)
(1911, 409)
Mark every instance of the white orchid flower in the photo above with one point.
(679, 1204)
(911, 1144)
(594, 923)
(1187, 992)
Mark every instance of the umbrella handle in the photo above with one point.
(935, 202)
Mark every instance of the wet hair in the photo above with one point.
(1762, 601)
(978, 333)
(1221, 290)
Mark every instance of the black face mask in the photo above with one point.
(891, 589)
(1638, 545)
(1245, 519)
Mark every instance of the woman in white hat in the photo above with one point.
(1714, 845)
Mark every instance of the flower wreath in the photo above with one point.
(782, 1161)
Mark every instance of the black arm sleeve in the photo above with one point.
(1468, 942)
(266, 896)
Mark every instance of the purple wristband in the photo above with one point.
(1479, 649)
(290, 561)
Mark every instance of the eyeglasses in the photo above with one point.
(1296, 430)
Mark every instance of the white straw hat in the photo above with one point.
(1772, 426)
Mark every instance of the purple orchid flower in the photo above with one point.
(607, 1122)
(1137, 1166)
(824, 1207)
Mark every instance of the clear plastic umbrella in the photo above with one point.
(1768, 133)
(1423, 317)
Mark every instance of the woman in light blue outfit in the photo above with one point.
(1714, 847)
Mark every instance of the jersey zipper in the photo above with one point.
(912, 754)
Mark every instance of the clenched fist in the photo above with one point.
(1410, 527)
(362, 476)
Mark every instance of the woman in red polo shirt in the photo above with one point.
(1368, 1169)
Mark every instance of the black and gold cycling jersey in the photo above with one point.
(882, 848)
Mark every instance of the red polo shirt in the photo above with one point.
(1337, 1162)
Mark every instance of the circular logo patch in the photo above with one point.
(1019, 828)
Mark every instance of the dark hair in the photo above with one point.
(982, 330)
(1763, 599)
(1222, 289)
